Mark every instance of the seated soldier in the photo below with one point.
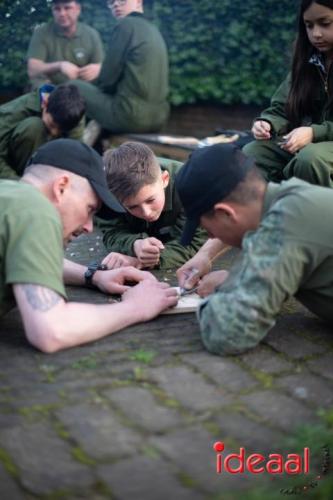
(64, 49)
(54, 202)
(148, 235)
(131, 92)
(35, 118)
(286, 236)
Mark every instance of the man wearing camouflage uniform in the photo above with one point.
(286, 236)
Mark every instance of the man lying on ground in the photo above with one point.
(286, 236)
(54, 202)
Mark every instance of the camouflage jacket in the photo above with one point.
(291, 253)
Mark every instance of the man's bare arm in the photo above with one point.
(211, 248)
(41, 298)
(73, 273)
(51, 324)
(37, 67)
(111, 281)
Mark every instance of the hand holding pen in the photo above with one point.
(191, 274)
(192, 277)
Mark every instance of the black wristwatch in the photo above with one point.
(92, 268)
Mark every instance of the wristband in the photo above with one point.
(92, 268)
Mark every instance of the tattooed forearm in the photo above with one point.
(41, 298)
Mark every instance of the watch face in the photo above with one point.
(88, 275)
(92, 268)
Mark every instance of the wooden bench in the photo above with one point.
(175, 152)
(195, 120)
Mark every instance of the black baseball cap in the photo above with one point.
(80, 159)
(209, 175)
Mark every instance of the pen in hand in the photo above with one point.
(188, 276)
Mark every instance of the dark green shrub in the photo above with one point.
(225, 51)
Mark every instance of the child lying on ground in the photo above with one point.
(148, 235)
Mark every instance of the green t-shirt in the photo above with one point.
(49, 45)
(31, 242)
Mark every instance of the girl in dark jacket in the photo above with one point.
(294, 136)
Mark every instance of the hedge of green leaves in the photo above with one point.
(225, 51)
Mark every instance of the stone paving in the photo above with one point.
(135, 415)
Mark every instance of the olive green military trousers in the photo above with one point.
(119, 114)
(28, 135)
(313, 163)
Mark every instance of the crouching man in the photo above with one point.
(286, 235)
(54, 202)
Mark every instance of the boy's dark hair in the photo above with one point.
(66, 106)
(130, 167)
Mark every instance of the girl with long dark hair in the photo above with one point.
(294, 136)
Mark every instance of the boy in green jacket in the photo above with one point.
(35, 118)
(148, 235)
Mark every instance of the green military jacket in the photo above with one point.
(290, 254)
(135, 72)
(49, 45)
(120, 232)
(11, 115)
(321, 121)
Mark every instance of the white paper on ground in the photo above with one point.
(188, 303)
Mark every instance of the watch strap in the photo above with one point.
(91, 269)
